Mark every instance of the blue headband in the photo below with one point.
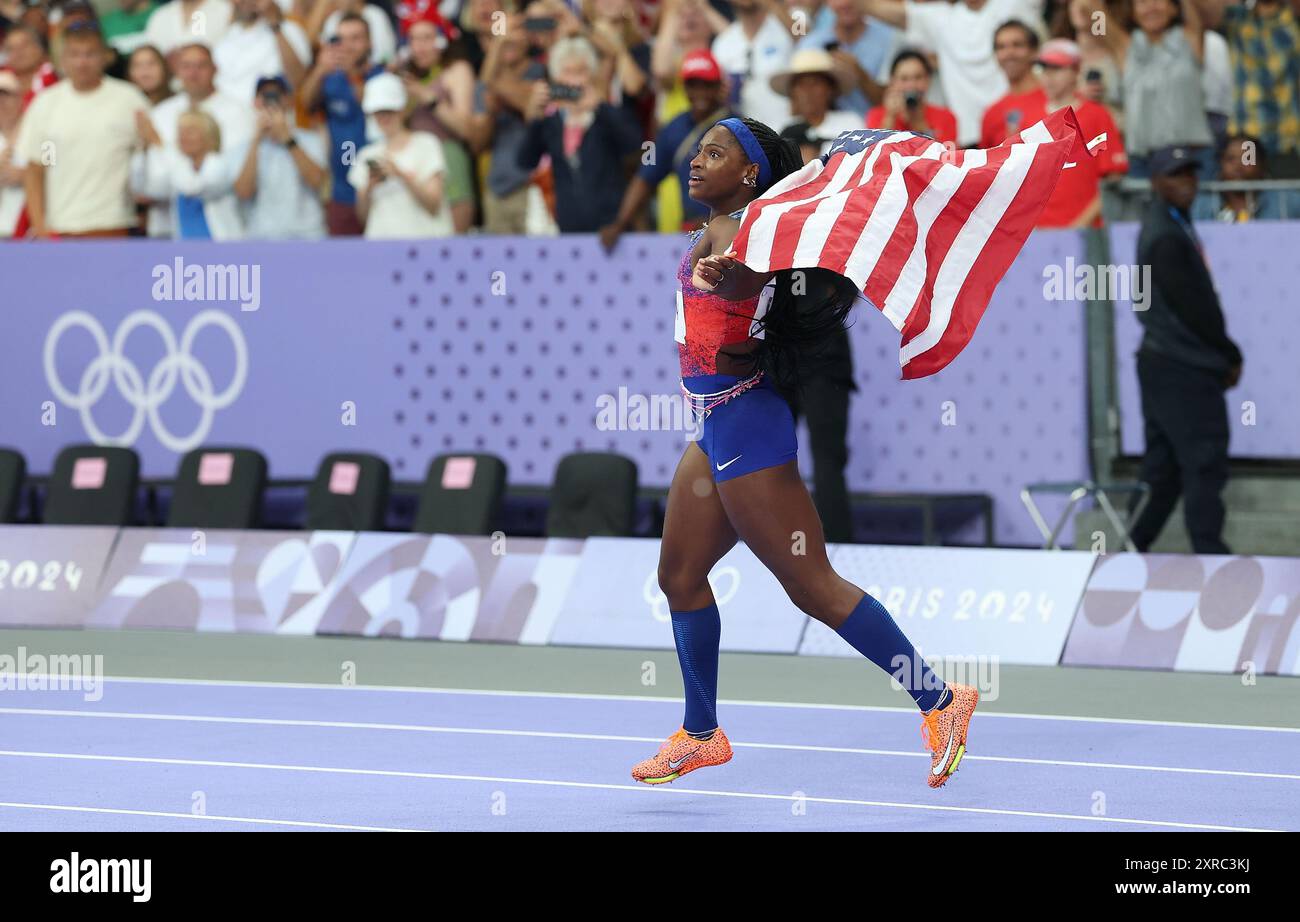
(749, 144)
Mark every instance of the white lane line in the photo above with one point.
(612, 738)
(259, 821)
(582, 696)
(592, 785)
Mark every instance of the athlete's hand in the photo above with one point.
(728, 277)
(713, 272)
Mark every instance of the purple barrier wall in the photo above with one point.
(499, 344)
(1257, 275)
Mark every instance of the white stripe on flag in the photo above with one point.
(927, 208)
(762, 236)
(817, 228)
(971, 239)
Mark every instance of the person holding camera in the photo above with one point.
(904, 107)
(282, 172)
(401, 180)
(334, 87)
(587, 138)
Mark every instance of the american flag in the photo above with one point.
(926, 232)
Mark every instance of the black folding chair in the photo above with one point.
(350, 493)
(13, 470)
(218, 488)
(461, 495)
(594, 494)
(92, 485)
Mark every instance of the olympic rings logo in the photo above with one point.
(147, 396)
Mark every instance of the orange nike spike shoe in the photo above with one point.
(680, 755)
(944, 733)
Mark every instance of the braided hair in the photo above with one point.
(809, 306)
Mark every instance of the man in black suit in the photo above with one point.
(1185, 364)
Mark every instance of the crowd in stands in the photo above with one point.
(292, 119)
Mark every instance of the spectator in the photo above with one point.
(383, 43)
(441, 96)
(197, 75)
(751, 50)
(178, 23)
(587, 138)
(684, 26)
(1101, 74)
(193, 176)
(475, 30)
(259, 43)
(1244, 159)
(675, 147)
(797, 133)
(813, 82)
(148, 70)
(12, 171)
(25, 52)
(961, 35)
(283, 171)
(400, 181)
(905, 107)
(1216, 83)
(124, 27)
(1164, 98)
(861, 46)
(617, 35)
(1185, 364)
(1076, 201)
(76, 139)
(512, 203)
(1014, 46)
(1264, 40)
(335, 86)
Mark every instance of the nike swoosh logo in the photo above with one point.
(938, 769)
(686, 758)
(723, 467)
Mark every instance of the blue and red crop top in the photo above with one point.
(706, 321)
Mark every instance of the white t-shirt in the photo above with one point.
(248, 53)
(383, 44)
(169, 27)
(963, 40)
(11, 197)
(85, 141)
(753, 63)
(394, 212)
(1216, 74)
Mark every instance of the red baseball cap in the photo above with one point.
(701, 65)
(1059, 52)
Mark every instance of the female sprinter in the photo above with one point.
(735, 330)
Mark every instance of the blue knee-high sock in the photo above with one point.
(871, 630)
(697, 634)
